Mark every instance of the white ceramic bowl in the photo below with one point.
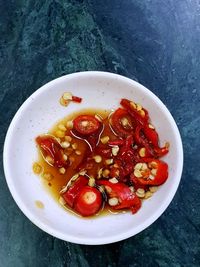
(37, 115)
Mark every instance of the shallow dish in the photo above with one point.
(42, 110)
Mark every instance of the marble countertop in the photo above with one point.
(155, 42)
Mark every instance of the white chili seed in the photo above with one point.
(137, 173)
(68, 138)
(151, 126)
(91, 182)
(124, 121)
(153, 189)
(67, 96)
(133, 105)
(142, 152)
(78, 152)
(47, 176)
(138, 107)
(62, 170)
(84, 123)
(83, 172)
(113, 180)
(105, 139)
(138, 166)
(97, 158)
(113, 201)
(151, 177)
(154, 171)
(65, 144)
(148, 194)
(65, 157)
(115, 150)
(74, 146)
(64, 102)
(109, 161)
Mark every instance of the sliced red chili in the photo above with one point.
(126, 198)
(88, 201)
(118, 142)
(86, 124)
(71, 194)
(134, 113)
(122, 123)
(49, 146)
(161, 173)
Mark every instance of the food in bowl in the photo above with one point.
(101, 161)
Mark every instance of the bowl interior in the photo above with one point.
(40, 112)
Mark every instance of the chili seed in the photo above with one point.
(65, 157)
(100, 173)
(124, 121)
(106, 173)
(70, 124)
(151, 177)
(138, 166)
(154, 171)
(133, 105)
(108, 189)
(91, 182)
(47, 176)
(67, 96)
(113, 201)
(78, 152)
(62, 170)
(37, 169)
(109, 161)
(151, 126)
(68, 138)
(148, 194)
(65, 144)
(142, 152)
(105, 139)
(113, 180)
(62, 127)
(153, 165)
(138, 107)
(140, 192)
(141, 112)
(60, 133)
(137, 173)
(74, 146)
(84, 123)
(115, 150)
(83, 172)
(132, 189)
(153, 189)
(97, 158)
(64, 102)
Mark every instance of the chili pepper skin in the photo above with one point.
(160, 177)
(50, 147)
(88, 201)
(126, 198)
(71, 194)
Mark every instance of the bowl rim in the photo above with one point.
(101, 240)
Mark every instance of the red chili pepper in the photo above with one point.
(122, 123)
(88, 201)
(71, 194)
(76, 99)
(86, 124)
(126, 198)
(134, 113)
(50, 147)
(151, 135)
(161, 173)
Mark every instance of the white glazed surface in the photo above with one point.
(40, 112)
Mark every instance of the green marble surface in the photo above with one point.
(155, 42)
